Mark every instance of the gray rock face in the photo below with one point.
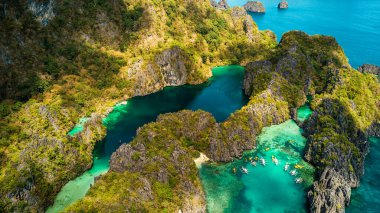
(254, 6)
(330, 194)
(254, 69)
(43, 11)
(283, 5)
(238, 12)
(168, 69)
(222, 4)
(172, 66)
(369, 68)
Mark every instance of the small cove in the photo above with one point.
(221, 95)
(265, 188)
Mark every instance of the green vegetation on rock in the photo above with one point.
(80, 58)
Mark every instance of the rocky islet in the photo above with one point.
(254, 7)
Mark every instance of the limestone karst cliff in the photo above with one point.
(63, 60)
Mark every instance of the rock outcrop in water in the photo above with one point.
(254, 7)
(283, 5)
(369, 68)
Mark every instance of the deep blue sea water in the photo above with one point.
(354, 23)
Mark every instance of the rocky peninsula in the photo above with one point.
(369, 68)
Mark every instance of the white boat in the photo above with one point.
(275, 160)
(253, 163)
(244, 170)
(293, 172)
(286, 168)
(299, 180)
(262, 161)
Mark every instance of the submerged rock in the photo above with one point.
(369, 68)
(283, 5)
(254, 6)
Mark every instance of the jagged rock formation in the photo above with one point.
(171, 67)
(254, 7)
(283, 5)
(332, 193)
(369, 68)
(222, 4)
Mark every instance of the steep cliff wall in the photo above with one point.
(337, 134)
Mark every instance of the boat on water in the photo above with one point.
(299, 180)
(297, 166)
(253, 163)
(244, 170)
(262, 161)
(275, 160)
(293, 172)
(286, 168)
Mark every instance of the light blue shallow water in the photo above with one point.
(354, 23)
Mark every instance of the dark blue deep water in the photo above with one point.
(354, 23)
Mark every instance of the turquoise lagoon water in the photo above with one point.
(303, 113)
(221, 96)
(265, 188)
(78, 127)
(354, 23)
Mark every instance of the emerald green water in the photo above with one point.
(78, 127)
(221, 95)
(265, 188)
(303, 113)
(366, 198)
